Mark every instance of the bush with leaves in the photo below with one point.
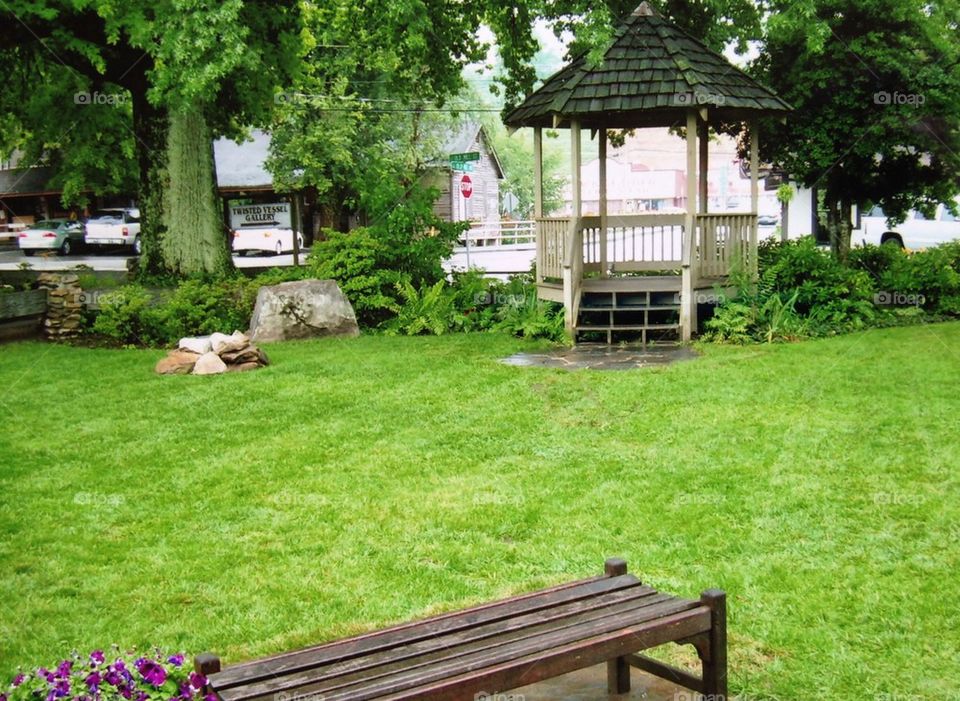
(135, 315)
(368, 263)
(527, 316)
(756, 314)
(130, 315)
(825, 287)
(931, 276)
(427, 310)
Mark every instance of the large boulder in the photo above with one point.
(221, 343)
(178, 362)
(209, 364)
(302, 309)
(195, 344)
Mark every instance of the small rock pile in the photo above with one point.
(64, 305)
(212, 355)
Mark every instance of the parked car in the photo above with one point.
(63, 235)
(114, 227)
(273, 239)
(917, 231)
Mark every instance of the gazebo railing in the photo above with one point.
(552, 234)
(647, 243)
(724, 239)
(634, 242)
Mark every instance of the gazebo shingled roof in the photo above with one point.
(651, 74)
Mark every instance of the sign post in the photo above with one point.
(466, 189)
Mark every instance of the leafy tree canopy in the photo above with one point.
(876, 87)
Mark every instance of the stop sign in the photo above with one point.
(466, 186)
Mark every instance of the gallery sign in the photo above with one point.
(251, 215)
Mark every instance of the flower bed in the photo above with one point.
(130, 676)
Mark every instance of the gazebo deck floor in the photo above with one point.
(636, 283)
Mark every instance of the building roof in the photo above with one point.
(461, 140)
(26, 181)
(242, 166)
(651, 74)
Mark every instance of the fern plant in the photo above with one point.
(531, 318)
(428, 310)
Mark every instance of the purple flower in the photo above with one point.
(3, 697)
(176, 660)
(46, 674)
(93, 681)
(112, 678)
(125, 692)
(18, 680)
(197, 680)
(63, 671)
(62, 688)
(210, 697)
(153, 673)
(119, 665)
(142, 696)
(97, 657)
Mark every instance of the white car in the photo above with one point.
(114, 227)
(915, 232)
(61, 235)
(272, 239)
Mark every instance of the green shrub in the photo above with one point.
(355, 261)
(819, 279)
(197, 307)
(874, 260)
(749, 318)
(528, 317)
(130, 316)
(428, 310)
(930, 277)
(369, 263)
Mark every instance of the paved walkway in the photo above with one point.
(601, 357)
(115, 260)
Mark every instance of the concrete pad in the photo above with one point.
(601, 357)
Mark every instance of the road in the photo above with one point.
(107, 259)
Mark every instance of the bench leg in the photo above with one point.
(618, 676)
(715, 661)
(618, 669)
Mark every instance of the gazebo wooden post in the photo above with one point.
(754, 190)
(537, 172)
(688, 307)
(704, 134)
(573, 251)
(602, 135)
(538, 196)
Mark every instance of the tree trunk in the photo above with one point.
(833, 226)
(150, 125)
(196, 239)
(845, 229)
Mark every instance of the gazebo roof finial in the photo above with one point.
(644, 9)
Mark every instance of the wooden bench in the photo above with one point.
(499, 646)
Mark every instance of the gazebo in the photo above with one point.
(641, 273)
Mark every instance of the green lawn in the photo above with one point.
(360, 482)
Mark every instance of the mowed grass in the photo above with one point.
(360, 482)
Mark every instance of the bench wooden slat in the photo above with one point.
(448, 645)
(518, 665)
(498, 646)
(311, 657)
